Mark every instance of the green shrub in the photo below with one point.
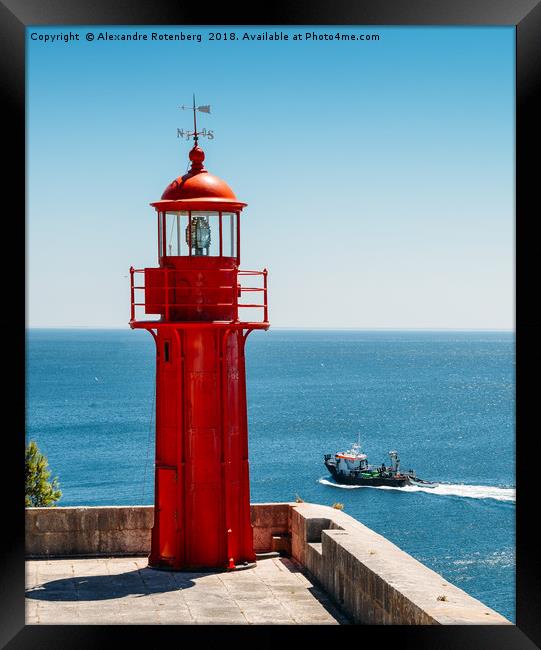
(39, 491)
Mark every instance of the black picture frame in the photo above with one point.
(525, 15)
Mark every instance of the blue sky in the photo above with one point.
(379, 175)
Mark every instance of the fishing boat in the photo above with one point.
(351, 467)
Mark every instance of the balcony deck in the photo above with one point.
(162, 299)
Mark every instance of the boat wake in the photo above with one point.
(443, 489)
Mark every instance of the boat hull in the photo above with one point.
(347, 479)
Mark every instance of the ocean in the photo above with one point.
(444, 400)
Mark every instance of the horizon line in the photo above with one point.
(302, 328)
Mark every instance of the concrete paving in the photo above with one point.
(113, 591)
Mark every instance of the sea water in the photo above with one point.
(443, 400)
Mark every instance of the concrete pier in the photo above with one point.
(332, 569)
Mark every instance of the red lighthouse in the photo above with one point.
(202, 496)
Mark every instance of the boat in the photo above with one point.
(351, 467)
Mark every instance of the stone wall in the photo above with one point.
(125, 530)
(370, 578)
(373, 580)
(271, 523)
(83, 531)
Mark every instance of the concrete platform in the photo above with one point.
(116, 591)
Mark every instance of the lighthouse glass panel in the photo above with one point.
(229, 234)
(173, 242)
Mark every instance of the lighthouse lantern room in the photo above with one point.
(199, 299)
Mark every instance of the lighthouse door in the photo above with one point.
(167, 483)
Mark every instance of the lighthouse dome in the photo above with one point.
(198, 185)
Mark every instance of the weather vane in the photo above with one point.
(195, 133)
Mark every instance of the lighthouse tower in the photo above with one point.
(200, 298)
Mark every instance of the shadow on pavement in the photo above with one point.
(103, 587)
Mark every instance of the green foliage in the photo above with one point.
(38, 490)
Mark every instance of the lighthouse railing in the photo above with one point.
(237, 291)
(132, 293)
